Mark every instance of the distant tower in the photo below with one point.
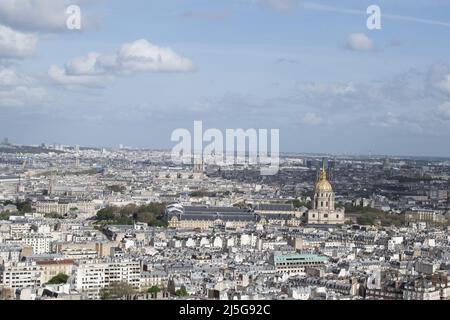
(51, 185)
(198, 169)
(20, 188)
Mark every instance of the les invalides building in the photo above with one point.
(324, 211)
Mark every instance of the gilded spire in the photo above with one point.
(323, 184)
(323, 171)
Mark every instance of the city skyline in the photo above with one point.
(311, 69)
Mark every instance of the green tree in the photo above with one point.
(5, 215)
(60, 278)
(53, 215)
(24, 206)
(181, 292)
(154, 289)
(152, 214)
(105, 214)
(116, 291)
(116, 188)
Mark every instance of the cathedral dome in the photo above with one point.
(323, 184)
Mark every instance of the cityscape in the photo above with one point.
(85, 223)
(224, 158)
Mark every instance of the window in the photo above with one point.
(325, 215)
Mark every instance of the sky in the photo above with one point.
(139, 69)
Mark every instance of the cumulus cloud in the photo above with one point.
(42, 15)
(135, 57)
(62, 77)
(14, 44)
(359, 42)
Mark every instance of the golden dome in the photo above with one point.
(323, 184)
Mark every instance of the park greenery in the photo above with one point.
(53, 215)
(153, 214)
(22, 208)
(371, 216)
(205, 193)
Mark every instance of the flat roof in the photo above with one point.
(297, 257)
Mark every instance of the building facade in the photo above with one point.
(324, 210)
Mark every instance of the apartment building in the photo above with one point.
(21, 275)
(91, 277)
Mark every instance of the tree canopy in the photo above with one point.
(60, 278)
(154, 289)
(181, 292)
(153, 214)
(116, 291)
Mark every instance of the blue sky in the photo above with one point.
(309, 68)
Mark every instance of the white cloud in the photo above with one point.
(87, 65)
(61, 76)
(135, 57)
(142, 56)
(14, 44)
(359, 42)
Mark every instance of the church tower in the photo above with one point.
(324, 211)
(323, 192)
